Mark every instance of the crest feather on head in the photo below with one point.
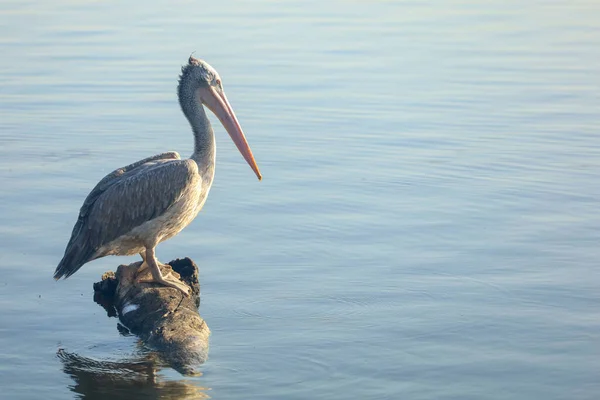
(199, 70)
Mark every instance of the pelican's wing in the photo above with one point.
(139, 198)
(114, 176)
(125, 203)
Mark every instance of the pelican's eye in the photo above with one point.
(218, 82)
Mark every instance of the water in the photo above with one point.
(427, 226)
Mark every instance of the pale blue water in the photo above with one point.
(428, 223)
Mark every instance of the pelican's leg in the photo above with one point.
(144, 265)
(157, 276)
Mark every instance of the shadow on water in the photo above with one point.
(128, 379)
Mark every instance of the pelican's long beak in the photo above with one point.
(217, 102)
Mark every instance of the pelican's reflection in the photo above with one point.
(130, 379)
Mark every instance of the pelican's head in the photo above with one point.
(199, 82)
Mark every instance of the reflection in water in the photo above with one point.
(129, 379)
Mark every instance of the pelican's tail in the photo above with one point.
(75, 256)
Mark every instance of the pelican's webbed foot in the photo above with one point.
(170, 280)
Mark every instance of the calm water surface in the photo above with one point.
(427, 227)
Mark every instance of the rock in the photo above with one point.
(162, 317)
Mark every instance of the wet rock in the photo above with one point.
(162, 317)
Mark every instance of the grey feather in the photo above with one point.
(125, 199)
(108, 181)
(139, 198)
(119, 173)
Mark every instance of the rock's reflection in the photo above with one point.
(129, 379)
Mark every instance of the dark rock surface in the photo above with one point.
(162, 317)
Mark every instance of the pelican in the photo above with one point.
(134, 208)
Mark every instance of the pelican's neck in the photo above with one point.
(204, 137)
